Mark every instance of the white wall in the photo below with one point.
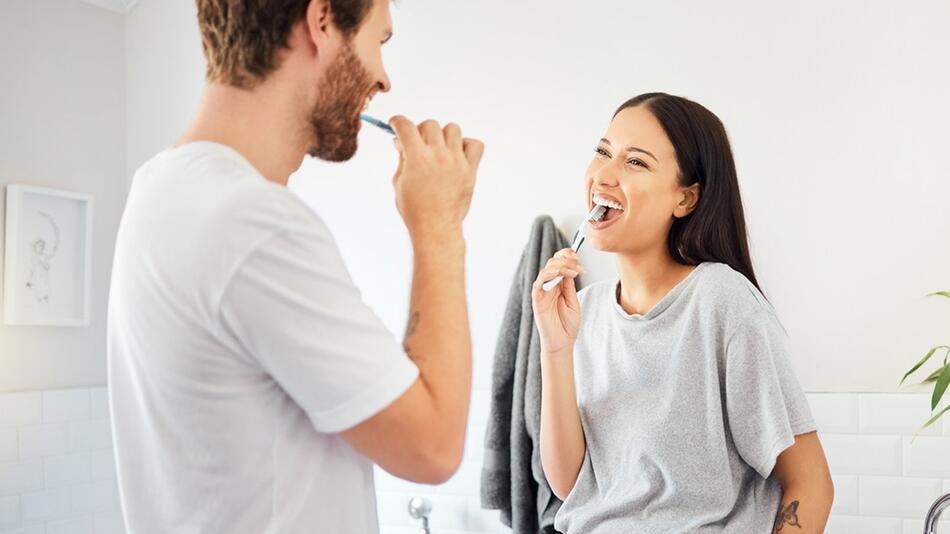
(62, 125)
(57, 473)
(837, 117)
(57, 467)
(836, 113)
(885, 478)
(164, 75)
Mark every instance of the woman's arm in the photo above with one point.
(557, 314)
(808, 490)
(562, 437)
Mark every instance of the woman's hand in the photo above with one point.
(557, 313)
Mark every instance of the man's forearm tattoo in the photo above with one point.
(412, 324)
(788, 516)
(410, 330)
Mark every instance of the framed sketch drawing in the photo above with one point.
(48, 257)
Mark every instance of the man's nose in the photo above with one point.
(384, 84)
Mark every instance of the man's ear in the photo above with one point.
(319, 21)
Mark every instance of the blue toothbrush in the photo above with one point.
(378, 123)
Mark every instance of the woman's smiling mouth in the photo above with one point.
(613, 213)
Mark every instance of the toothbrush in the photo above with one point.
(594, 215)
(378, 123)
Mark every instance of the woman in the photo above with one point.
(670, 405)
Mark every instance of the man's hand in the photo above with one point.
(435, 177)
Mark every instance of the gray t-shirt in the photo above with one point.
(684, 409)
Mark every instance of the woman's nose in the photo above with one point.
(604, 176)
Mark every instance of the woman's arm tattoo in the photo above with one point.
(788, 516)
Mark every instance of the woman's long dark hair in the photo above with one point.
(715, 229)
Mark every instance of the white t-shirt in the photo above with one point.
(238, 347)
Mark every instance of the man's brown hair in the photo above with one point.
(241, 38)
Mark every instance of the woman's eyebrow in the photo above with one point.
(606, 141)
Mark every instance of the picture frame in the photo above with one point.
(47, 257)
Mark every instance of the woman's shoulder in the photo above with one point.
(597, 291)
(730, 295)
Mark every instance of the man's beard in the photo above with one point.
(334, 121)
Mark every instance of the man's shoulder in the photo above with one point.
(229, 194)
(209, 203)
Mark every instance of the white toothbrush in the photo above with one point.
(594, 215)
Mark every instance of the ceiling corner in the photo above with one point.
(123, 7)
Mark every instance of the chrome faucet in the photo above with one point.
(930, 524)
(420, 508)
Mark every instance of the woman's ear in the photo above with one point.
(688, 200)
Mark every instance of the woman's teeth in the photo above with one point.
(601, 201)
(366, 104)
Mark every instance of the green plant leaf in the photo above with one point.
(923, 361)
(940, 293)
(942, 382)
(933, 376)
(934, 418)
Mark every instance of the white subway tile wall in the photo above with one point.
(885, 477)
(886, 473)
(57, 472)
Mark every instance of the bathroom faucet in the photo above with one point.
(930, 524)
(419, 508)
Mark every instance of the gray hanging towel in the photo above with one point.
(512, 478)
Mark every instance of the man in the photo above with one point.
(251, 387)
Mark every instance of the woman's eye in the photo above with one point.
(635, 161)
(601, 152)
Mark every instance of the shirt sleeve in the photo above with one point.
(766, 407)
(293, 308)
